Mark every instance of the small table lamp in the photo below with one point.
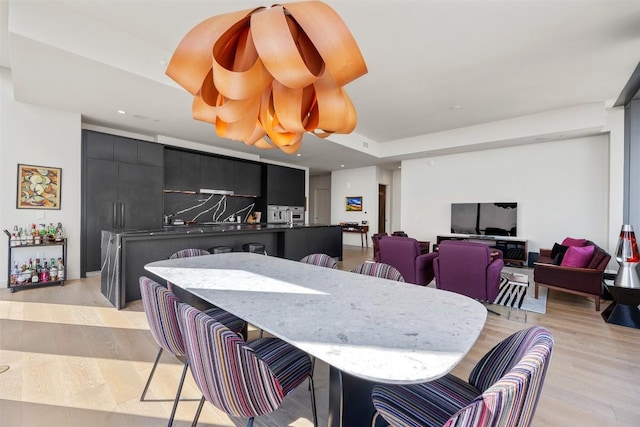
(628, 257)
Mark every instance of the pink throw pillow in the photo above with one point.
(577, 256)
(569, 241)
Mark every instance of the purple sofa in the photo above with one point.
(403, 253)
(468, 268)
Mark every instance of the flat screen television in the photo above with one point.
(489, 219)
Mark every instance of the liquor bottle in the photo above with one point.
(52, 232)
(53, 270)
(28, 237)
(44, 273)
(35, 274)
(13, 279)
(60, 269)
(36, 237)
(59, 233)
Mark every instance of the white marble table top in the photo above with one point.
(372, 328)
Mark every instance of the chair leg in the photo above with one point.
(313, 368)
(314, 411)
(374, 419)
(486, 305)
(153, 370)
(177, 399)
(195, 420)
(493, 311)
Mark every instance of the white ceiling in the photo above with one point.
(433, 65)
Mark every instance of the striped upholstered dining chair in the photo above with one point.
(323, 260)
(378, 269)
(186, 253)
(503, 389)
(160, 307)
(243, 379)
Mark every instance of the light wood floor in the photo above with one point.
(76, 361)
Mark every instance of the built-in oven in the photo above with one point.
(297, 214)
(278, 214)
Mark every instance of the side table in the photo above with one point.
(623, 310)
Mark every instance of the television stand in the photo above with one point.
(514, 249)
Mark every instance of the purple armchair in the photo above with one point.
(467, 268)
(403, 253)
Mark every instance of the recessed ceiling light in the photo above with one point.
(341, 166)
(298, 155)
(455, 107)
(122, 112)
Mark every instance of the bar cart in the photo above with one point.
(17, 280)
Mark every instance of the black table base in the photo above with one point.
(350, 401)
(624, 309)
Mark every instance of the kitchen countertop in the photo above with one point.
(215, 228)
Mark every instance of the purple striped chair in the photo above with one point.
(243, 379)
(503, 389)
(160, 307)
(379, 269)
(323, 260)
(186, 253)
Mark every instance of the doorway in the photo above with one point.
(322, 206)
(382, 208)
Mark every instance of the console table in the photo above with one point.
(363, 230)
(514, 249)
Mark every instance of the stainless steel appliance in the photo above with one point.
(278, 214)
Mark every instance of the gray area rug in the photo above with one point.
(509, 293)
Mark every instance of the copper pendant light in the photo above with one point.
(276, 72)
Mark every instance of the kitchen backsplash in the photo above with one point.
(207, 207)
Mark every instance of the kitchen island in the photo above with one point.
(125, 253)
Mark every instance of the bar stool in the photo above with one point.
(256, 248)
(221, 250)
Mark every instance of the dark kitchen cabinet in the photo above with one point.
(181, 170)
(122, 182)
(191, 171)
(172, 170)
(248, 178)
(209, 172)
(220, 173)
(285, 186)
(140, 196)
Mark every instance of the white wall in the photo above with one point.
(385, 177)
(396, 200)
(354, 182)
(40, 136)
(561, 187)
(319, 182)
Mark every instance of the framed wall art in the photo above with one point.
(38, 187)
(354, 204)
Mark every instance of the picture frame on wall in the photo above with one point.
(39, 187)
(354, 204)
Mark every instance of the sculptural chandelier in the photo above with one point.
(266, 76)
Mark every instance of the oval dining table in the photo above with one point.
(368, 330)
